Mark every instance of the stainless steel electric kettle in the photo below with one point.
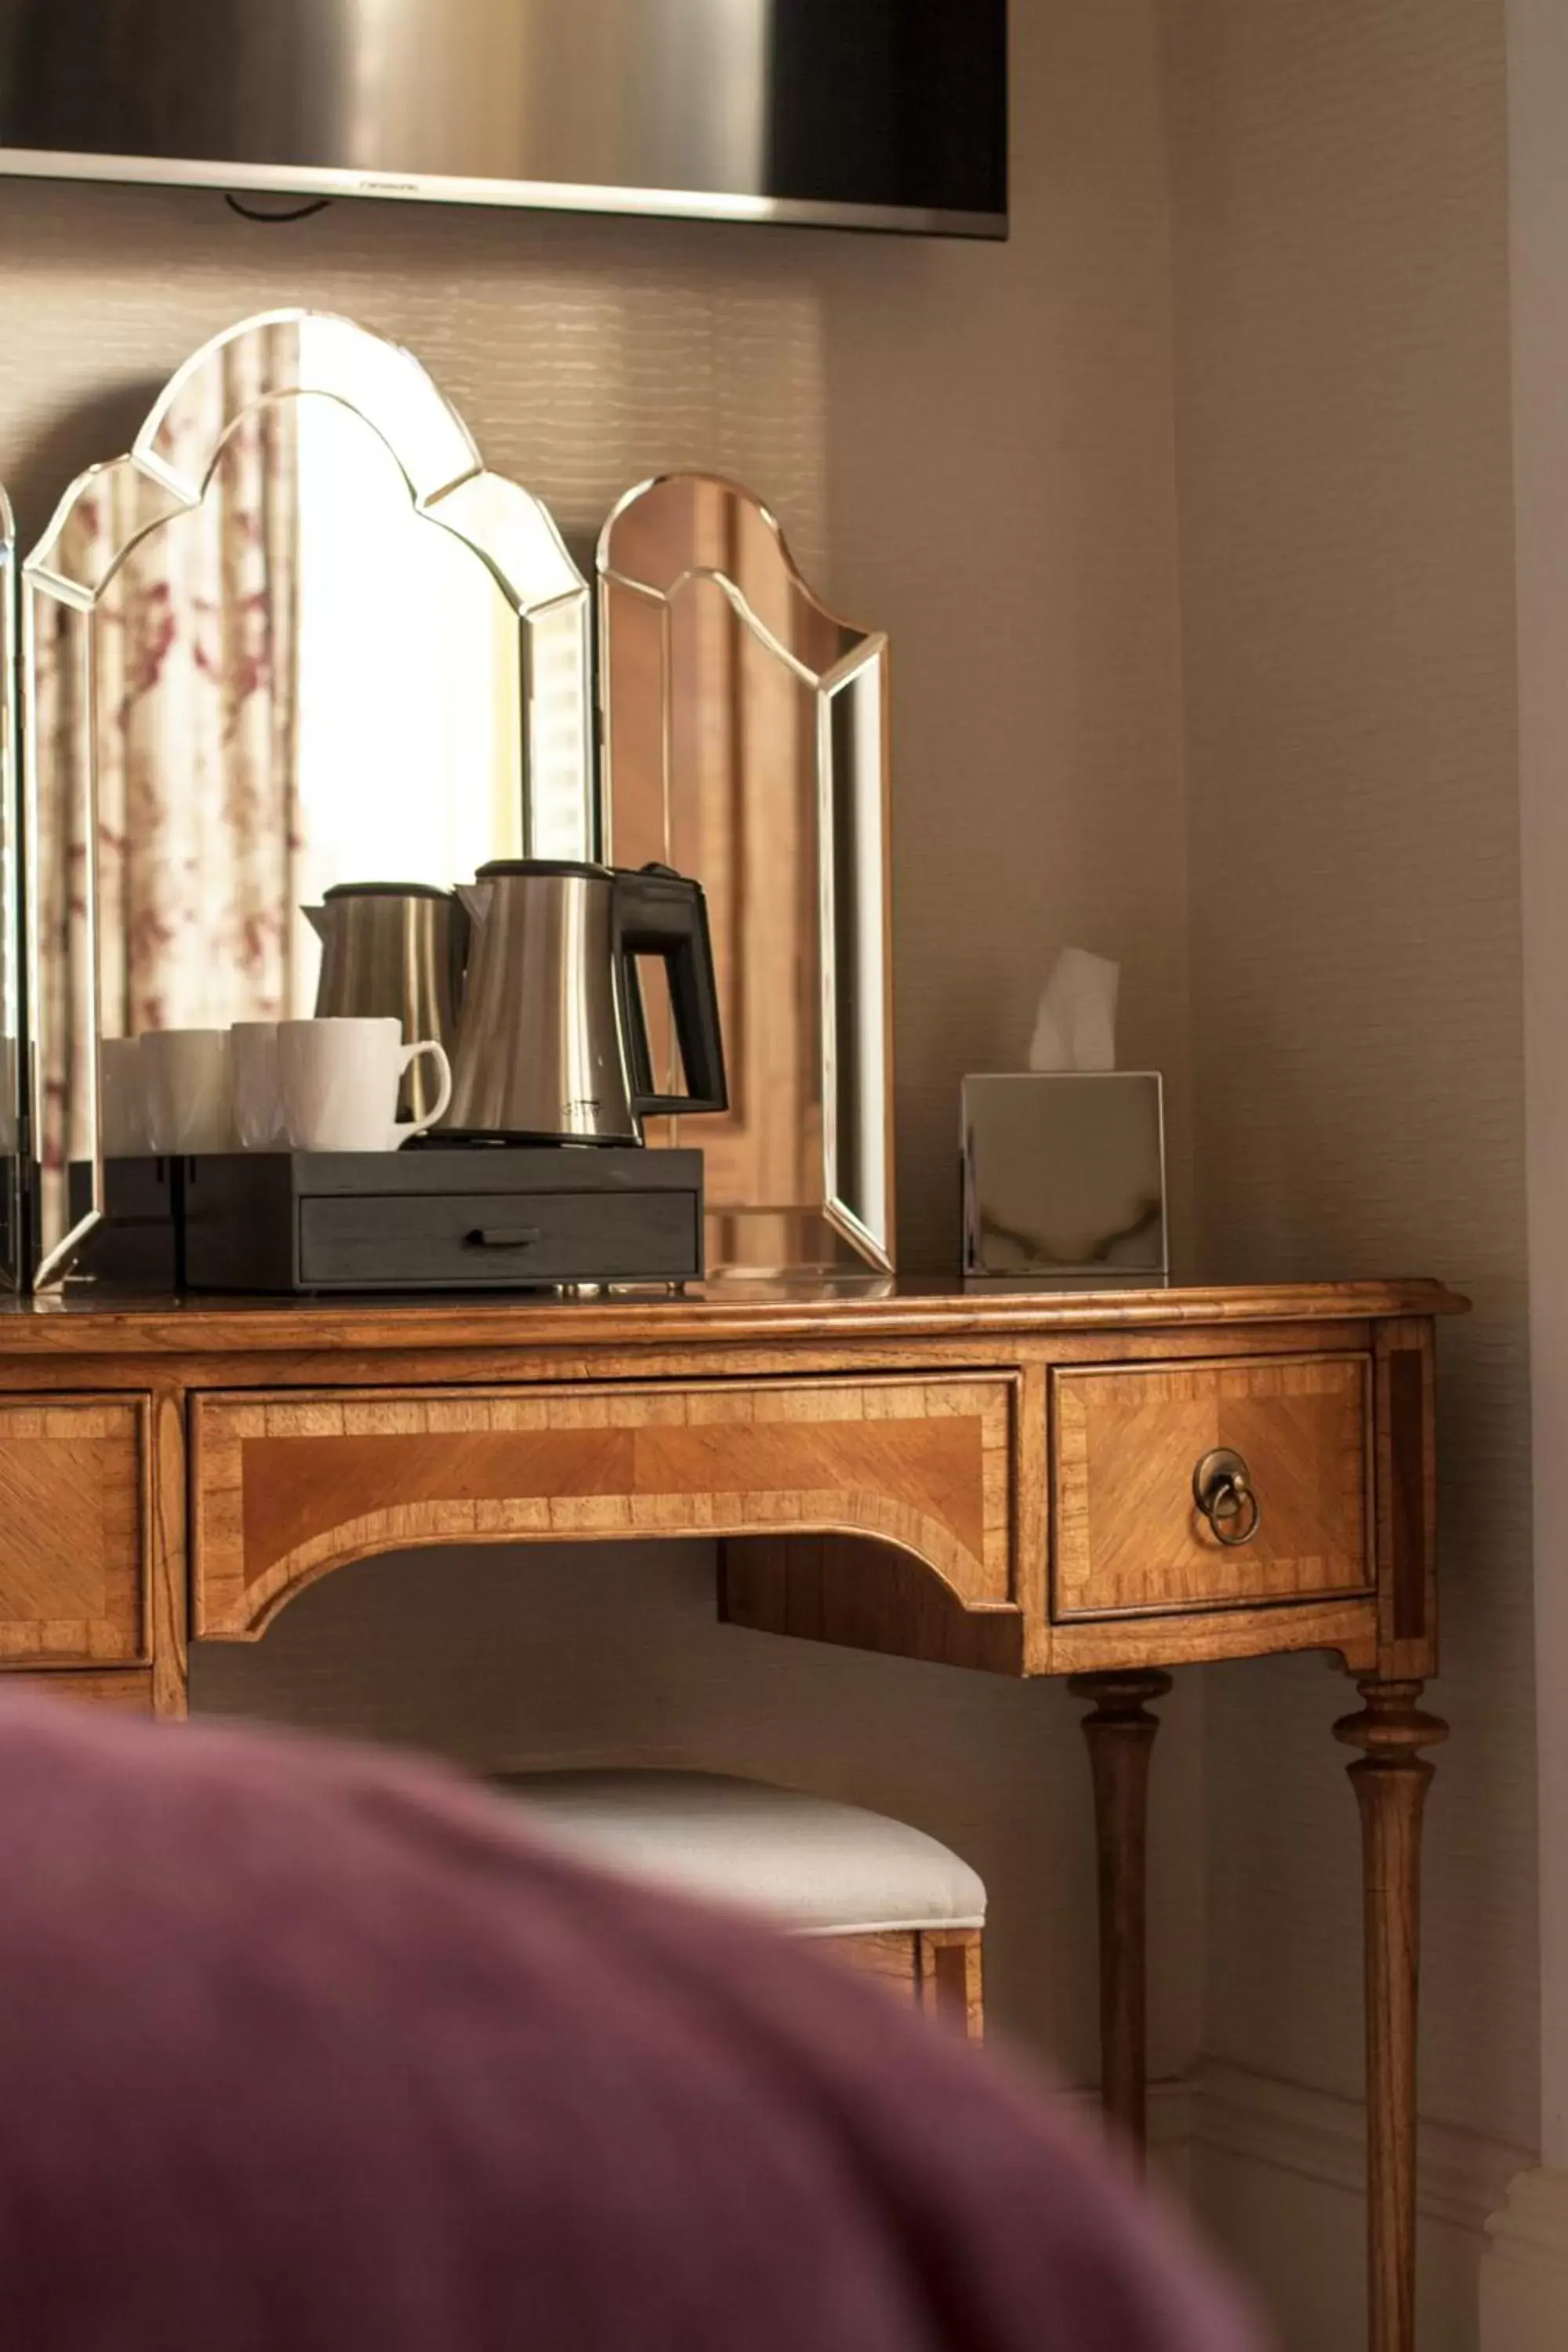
(552, 1037)
(395, 950)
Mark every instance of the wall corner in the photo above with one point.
(1524, 2277)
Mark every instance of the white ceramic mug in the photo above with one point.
(189, 1077)
(257, 1089)
(123, 1098)
(339, 1080)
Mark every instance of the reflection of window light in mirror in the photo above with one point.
(409, 717)
(10, 1010)
(560, 819)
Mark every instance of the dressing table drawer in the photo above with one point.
(491, 1241)
(284, 1486)
(73, 1512)
(1211, 1486)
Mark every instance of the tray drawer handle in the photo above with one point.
(1224, 1492)
(503, 1238)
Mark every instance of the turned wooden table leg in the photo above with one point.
(1120, 1732)
(1391, 1779)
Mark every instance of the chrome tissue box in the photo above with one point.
(1064, 1181)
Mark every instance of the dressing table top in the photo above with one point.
(86, 1318)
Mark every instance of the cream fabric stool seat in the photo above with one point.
(901, 1905)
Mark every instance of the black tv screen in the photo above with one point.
(858, 114)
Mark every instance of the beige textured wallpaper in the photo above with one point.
(1347, 594)
(582, 353)
(1000, 470)
(971, 447)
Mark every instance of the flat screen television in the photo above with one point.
(856, 113)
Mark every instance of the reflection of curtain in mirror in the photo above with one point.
(192, 727)
(198, 827)
(62, 743)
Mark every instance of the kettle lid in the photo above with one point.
(384, 890)
(504, 869)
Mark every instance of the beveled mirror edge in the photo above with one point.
(54, 1264)
(13, 1262)
(429, 486)
(396, 358)
(879, 1247)
(38, 564)
(660, 593)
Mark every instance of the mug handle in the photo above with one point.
(404, 1129)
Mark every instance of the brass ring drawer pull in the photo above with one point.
(1224, 1492)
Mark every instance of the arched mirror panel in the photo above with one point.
(745, 732)
(298, 636)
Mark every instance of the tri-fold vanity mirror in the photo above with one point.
(299, 638)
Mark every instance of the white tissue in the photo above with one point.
(1076, 1026)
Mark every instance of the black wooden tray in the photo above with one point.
(465, 1218)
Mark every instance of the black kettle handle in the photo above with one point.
(657, 912)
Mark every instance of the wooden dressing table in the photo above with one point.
(1101, 1487)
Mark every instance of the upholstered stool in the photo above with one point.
(892, 1901)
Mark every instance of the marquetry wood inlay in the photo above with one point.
(73, 1521)
(120, 1690)
(288, 1486)
(1129, 1535)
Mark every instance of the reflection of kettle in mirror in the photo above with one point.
(394, 949)
(553, 1039)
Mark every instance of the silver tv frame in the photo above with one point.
(526, 196)
(671, 108)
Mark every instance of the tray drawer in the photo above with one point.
(490, 1240)
(1130, 1538)
(73, 1508)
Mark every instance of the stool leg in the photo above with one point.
(950, 1966)
(1120, 1733)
